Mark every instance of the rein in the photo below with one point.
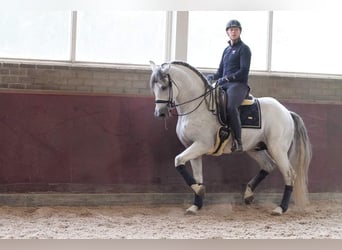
(171, 104)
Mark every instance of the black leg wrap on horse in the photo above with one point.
(198, 201)
(257, 179)
(187, 177)
(286, 198)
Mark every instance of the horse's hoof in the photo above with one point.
(248, 196)
(249, 200)
(192, 210)
(277, 211)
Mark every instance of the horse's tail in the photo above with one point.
(300, 155)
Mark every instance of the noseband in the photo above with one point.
(170, 103)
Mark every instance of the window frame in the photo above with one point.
(174, 48)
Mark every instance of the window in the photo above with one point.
(35, 35)
(307, 41)
(208, 38)
(302, 41)
(121, 36)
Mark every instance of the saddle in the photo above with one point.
(250, 117)
(221, 105)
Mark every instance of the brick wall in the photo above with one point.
(74, 78)
(102, 79)
(298, 88)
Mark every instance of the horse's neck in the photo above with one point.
(189, 92)
(190, 87)
(188, 83)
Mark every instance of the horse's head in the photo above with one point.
(161, 86)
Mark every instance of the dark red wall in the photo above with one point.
(88, 143)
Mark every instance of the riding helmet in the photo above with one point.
(233, 23)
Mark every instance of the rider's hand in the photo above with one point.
(210, 78)
(222, 81)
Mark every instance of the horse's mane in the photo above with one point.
(185, 64)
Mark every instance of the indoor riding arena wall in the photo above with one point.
(81, 129)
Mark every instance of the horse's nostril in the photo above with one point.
(162, 115)
(159, 114)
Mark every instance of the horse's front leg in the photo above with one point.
(267, 164)
(193, 153)
(196, 165)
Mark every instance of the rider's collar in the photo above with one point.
(236, 43)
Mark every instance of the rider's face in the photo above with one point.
(234, 33)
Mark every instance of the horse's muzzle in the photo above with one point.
(162, 113)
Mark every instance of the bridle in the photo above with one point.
(171, 103)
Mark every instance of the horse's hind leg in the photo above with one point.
(266, 164)
(285, 167)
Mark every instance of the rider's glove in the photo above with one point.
(222, 80)
(210, 78)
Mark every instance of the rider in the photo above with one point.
(232, 75)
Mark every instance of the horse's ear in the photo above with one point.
(166, 67)
(153, 65)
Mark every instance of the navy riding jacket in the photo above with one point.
(235, 63)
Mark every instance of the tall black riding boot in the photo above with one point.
(237, 146)
(236, 92)
(235, 124)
